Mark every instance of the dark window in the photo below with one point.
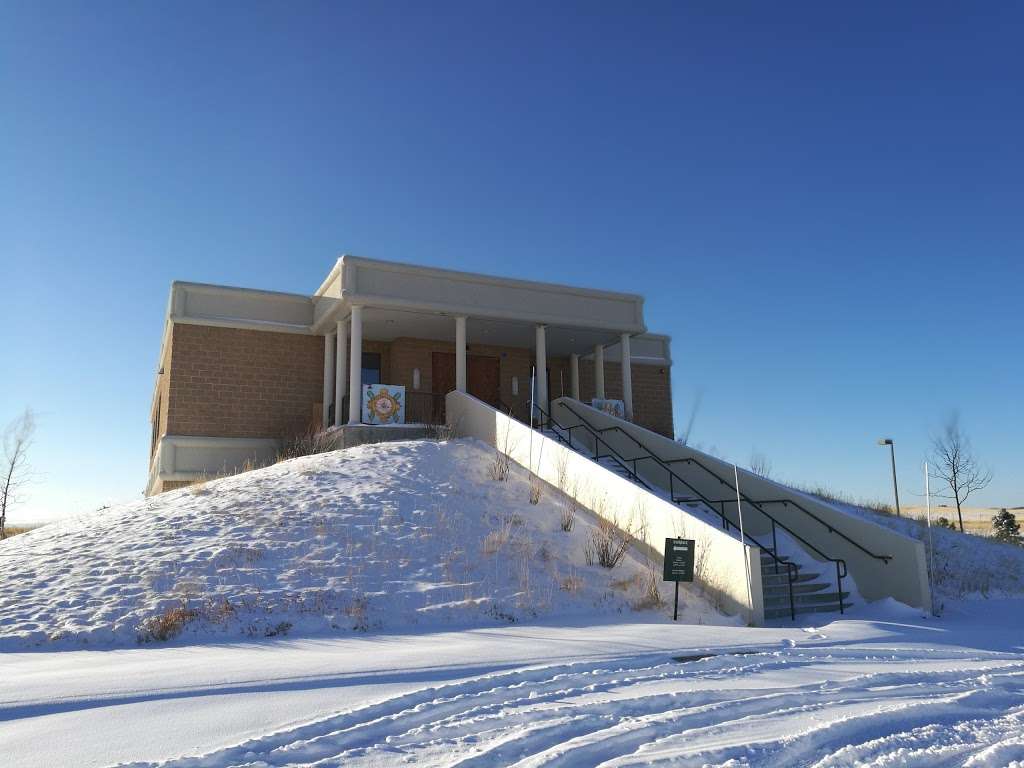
(371, 368)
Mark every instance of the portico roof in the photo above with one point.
(369, 283)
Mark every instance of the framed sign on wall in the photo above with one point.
(383, 404)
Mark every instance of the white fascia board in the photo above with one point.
(219, 305)
(427, 289)
(645, 349)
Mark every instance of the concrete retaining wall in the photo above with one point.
(904, 577)
(722, 562)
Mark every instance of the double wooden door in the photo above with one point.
(483, 379)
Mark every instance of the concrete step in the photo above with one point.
(801, 587)
(783, 613)
(806, 598)
(770, 580)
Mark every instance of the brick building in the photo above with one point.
(242, 369)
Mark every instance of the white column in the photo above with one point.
(627, 378)
(355, 368)
(542, 369)
(341, 372)
(599, 372)
(460, 354)
(328, 375)
(574, 376)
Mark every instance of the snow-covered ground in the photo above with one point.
(397, 535)
(394, 605)
(896, 690)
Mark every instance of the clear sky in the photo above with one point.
(823, 203)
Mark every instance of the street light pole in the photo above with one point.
(892, 455)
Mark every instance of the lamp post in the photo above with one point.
(892, 455)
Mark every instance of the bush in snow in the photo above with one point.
(609, 540)
(1005, 527)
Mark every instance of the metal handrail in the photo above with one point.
(612, 453)
(791, 568)
(840, 563)
(756, 504)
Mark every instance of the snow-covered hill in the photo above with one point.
(961, 566)
(399, 536)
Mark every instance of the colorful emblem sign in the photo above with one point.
(383, 404)
(616, 408)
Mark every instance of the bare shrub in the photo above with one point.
(358, 611)
(562, 471)
(650, 588)
(198, 486)
(166, 625)
(760, 465)
(497, 538)
(567, 519)
(500, 467)
(443, 432)
(609, 541)
(502, 463)
(312, 441)
(535, 489)
(571, 582)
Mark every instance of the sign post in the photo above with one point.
(678, 565)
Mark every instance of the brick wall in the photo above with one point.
(652, 392)
(229, 382)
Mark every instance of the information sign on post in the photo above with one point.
(678, 565)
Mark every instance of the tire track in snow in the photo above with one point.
(825, 707)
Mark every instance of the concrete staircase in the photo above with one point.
(812, 593)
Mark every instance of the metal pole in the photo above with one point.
(895, 488)
(928, 512)
(675, 612)
(743, 541)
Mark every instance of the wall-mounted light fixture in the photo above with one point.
(416, 378)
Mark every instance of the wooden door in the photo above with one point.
(442, 375)
(483, 378)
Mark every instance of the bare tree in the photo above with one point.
(954, 463)
(17, 440)
(760, 465)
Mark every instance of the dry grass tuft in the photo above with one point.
(608, 543)
(167, 625)
(314, 440)
(535, 489)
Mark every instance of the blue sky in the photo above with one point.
(823, 204)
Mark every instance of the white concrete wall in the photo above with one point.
(184, 457)
(605, 493)
(904, 577)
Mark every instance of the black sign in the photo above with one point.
(678, 560)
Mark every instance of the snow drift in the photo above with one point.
(398, 536)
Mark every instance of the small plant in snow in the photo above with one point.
(499, 468)
(535, 489)
(608, 543)
(314, 440)
(166, 625)
(650, 587)
(567, 519)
